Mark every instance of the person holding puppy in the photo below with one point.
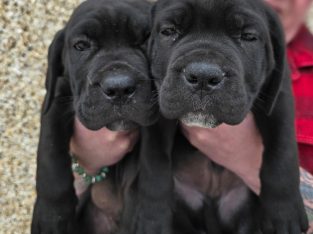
(300, 57)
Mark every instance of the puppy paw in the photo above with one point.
(284, 217)
(49, 219)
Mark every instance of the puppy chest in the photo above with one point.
(197, 180)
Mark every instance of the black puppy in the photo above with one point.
(97, 71)
(214, 61)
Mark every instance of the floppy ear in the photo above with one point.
(55, 68)
(278, 66)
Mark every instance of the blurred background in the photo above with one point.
(26, 30)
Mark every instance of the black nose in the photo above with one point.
(118, 87)
(203, 75)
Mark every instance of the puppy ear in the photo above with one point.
(55, 68)
(277, 69)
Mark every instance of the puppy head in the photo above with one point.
(102, 53)
(214, 60)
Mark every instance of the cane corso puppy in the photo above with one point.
(214, 61)
(98, 72)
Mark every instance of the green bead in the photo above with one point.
(99, 178)
(88, 179)
(79, 170)
(105, 169)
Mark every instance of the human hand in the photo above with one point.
(96, 149)
(238, 148)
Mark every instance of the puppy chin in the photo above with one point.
(91, 125)
(199, 120)
(122, 125)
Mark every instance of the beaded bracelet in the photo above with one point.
(89, 179)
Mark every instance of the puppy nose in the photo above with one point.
(118, 87)
(203, 75)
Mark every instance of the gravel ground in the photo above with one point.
(26, 29)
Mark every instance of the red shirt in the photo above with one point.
(300, 57)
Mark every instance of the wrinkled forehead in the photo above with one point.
(95, 19)
(177, 11)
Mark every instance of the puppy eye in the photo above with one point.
(169, 31)
(82, 45)
(249, 37)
